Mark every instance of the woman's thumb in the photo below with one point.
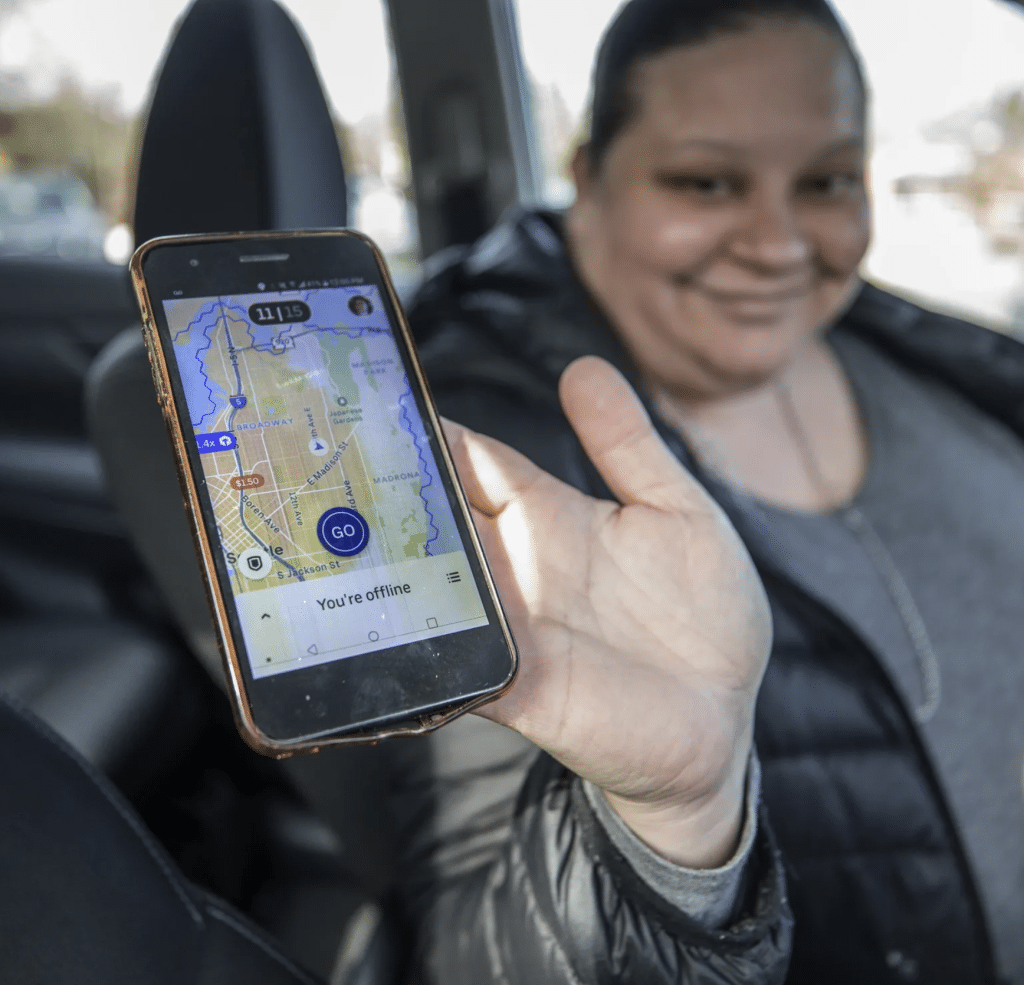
(620, 440)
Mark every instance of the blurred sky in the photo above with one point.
(925, 57)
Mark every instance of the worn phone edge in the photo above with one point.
(244, 721)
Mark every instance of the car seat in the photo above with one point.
(71, 598)
(239, 137)
(91, 898)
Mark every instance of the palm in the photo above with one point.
(642, 628)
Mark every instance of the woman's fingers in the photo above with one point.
(620, 440)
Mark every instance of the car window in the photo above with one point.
(74, 80)
(947, 158)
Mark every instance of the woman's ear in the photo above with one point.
(582, 174)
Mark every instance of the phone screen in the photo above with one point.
(335, 527)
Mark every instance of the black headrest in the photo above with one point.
(239, 135)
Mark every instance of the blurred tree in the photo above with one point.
(73, 131)
(994, 186)
(8, 7)
(401, 179)
(554, 123)
(1012, 113)
(343, 134)
(378, 149)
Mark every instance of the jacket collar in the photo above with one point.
(985, 366)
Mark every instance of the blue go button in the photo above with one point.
(343, 531)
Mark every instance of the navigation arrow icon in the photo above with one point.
(313, 651)
(266, 615)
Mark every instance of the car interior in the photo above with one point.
(105, 631)
(105, 618)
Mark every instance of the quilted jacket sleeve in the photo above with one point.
(509, 878)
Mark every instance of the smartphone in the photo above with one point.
(350, 593)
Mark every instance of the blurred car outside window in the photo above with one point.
(49, 214)
(947, 138)
(74, 82)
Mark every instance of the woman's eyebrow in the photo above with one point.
(703, 143)
(856, 143)
(842, 145)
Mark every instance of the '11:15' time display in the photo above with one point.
(280, 314)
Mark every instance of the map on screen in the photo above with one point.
(318, 467)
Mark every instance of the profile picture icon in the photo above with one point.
(360, 306)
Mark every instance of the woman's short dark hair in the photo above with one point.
(645, 28)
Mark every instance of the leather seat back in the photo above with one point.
(239, 137)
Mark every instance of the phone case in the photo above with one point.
(260, 742)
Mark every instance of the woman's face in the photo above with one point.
(724, 226)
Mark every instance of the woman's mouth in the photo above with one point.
(756, 305)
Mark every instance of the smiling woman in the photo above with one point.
(717, 241)
(720, 222)
(713, 254)
(929, 143)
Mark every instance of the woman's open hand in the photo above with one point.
(643, 630)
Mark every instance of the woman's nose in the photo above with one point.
(769, 234)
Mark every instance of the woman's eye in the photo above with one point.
(832, 185)
(702, 185)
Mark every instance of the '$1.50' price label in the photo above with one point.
(251, 481)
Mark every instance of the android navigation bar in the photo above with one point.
(356, 611)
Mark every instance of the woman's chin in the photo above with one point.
(743, 356)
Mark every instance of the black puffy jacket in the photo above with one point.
(511, 879)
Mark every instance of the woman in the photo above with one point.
(869, 454)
